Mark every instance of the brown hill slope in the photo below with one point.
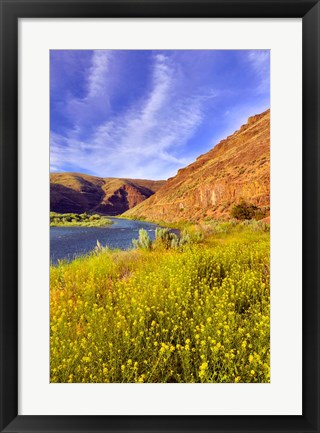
(236, 169)
(75, 192)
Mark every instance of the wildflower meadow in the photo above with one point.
(169, 311)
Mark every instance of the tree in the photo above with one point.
(244, 211)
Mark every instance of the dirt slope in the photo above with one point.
(76, 192)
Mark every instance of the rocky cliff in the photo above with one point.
(237, 169)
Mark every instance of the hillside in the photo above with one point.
(236, 169)
(78, 193)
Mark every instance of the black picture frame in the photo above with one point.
(11, 11)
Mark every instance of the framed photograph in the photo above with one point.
(159, 216)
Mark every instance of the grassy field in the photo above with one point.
(78, 220)
(197, 311)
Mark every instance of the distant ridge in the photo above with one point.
(236, 169)
(78, 193)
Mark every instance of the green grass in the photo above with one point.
(196, 313)
(78, 220)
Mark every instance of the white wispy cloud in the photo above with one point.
(260, 62)
(141, 142)
(97, 75)
(96, 101)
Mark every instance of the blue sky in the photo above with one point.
(145, 114)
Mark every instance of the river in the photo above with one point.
(71, 242)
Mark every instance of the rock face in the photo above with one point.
(78, 193)
(236, 169)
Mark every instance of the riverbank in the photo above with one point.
(78, 220)
(191, 312)
(67, 243)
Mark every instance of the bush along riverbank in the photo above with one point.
(78, 220)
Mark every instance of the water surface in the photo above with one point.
(71, 242)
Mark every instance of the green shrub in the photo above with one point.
(221, 227)
(257, 226)
(185, 238)
(94, 217)
(260, 214)
(166, 238)
(144, 242)
(193, 235)
(247, 211)
(78, 220)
